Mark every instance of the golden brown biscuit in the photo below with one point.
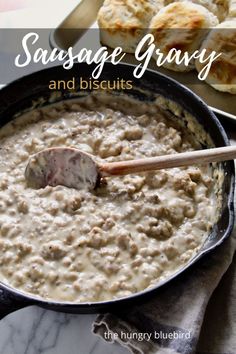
(232, 9)
(223, 8)
(183, 26)
(219, 8)
(222, 39)
(124, 22)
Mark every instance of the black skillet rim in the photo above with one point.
(92, 307)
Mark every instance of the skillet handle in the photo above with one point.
(9, 302)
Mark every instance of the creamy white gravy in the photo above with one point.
(129, 234)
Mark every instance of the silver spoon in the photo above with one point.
(76, 169)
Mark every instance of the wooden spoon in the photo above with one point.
(76, 169)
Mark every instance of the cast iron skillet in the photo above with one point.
(18, 96)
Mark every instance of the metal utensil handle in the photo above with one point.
(75, 24)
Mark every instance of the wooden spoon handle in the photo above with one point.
(168, 161)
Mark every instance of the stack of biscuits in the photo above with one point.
(188, 25)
